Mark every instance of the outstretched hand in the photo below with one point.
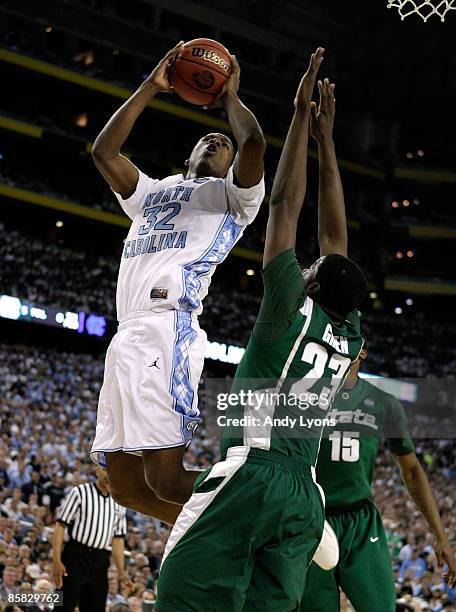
(231, 85)
(307, 84)
(445, 554)
(159, 75)
(126, 585)
(59, 572)
(322, 118)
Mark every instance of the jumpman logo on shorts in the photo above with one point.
(154, 364)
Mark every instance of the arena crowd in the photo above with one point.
(88, 282)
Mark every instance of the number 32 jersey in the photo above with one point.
(296, 360)
(181, 229)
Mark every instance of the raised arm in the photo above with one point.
(289, 187)
(332, 222)
(251, 145)
(117, 170)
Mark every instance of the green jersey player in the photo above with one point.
(364, 415)
(255, 519)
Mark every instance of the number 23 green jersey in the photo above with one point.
(297, 352)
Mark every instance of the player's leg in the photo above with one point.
(278, 578)
(147, 404)
(127, 471)
(322, 592)
(163, 467)
(366, 574)
(209, 555)
(166, 476)
(128, 487)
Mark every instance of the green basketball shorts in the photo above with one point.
(245, 538)
(364, 570)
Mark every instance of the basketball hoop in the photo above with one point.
(423, 8)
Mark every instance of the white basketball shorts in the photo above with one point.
(149, 395)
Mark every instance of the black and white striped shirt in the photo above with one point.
(93, 519)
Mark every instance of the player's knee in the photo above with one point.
(120, 488)
(167, 491)
(165, 486)
(163, 471)
(121, 497)
(120, 492)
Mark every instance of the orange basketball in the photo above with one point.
(200, 70)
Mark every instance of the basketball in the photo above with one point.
(200, 70)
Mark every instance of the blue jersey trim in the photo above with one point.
(224, 240)
(170, 387)
(181, 389)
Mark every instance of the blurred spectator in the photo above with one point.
(54, 489)
(413, 567)
(33, 487)
(8, 585)
(114, 597)
(406, 551)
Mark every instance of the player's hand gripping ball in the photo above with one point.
(200, 70)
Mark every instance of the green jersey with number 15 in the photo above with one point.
(301, 357)
(346, 463)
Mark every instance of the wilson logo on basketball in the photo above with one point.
(203, 80)
(211, 56)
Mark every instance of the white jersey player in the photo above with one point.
(182, 227)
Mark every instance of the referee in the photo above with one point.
(95, 523)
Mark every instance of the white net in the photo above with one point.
(423, 8)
